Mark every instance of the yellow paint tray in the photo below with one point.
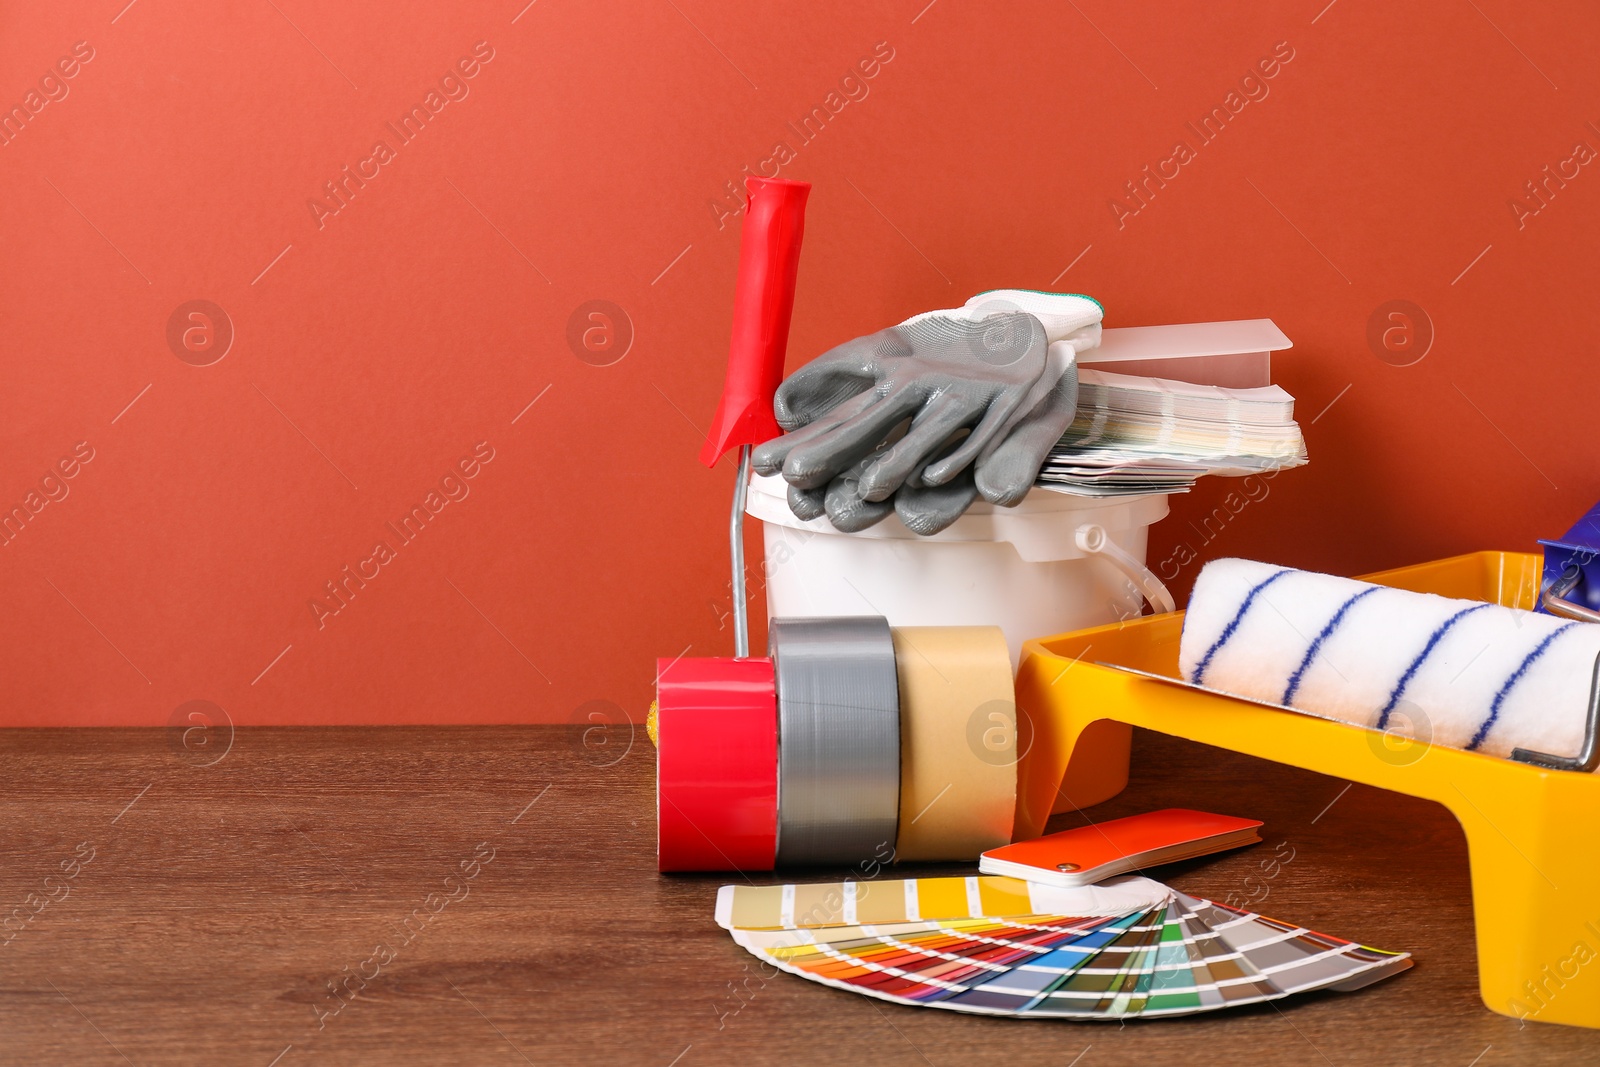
(1530, 830)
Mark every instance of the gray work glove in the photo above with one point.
(923, 509)
(944, 374)
(987, 388)
(1008, 469)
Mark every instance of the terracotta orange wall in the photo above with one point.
(380, 339)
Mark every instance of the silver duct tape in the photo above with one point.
(838, 739)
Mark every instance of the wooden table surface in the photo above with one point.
(489, 895)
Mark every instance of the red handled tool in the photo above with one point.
(769, 259)
(717, 719)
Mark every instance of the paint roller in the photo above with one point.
(715, 720)
(1522, 685)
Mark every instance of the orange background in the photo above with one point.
(377, 345)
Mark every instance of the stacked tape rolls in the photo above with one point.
(716, 765)
(958, 741)
(852, 744)
(839, 739)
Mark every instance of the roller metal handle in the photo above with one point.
(1553, 598)
(763, 302)
(1588, 757)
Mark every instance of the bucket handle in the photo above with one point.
(1093, 540)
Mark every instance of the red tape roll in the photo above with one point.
(716, 765)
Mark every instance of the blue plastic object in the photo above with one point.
(1572, 568)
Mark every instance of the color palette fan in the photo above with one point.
(1001, 946)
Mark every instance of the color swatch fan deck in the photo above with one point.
(1002, 946)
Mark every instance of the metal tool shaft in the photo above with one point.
(741, 611)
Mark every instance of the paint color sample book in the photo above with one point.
(1127, 948)
(1135, 434)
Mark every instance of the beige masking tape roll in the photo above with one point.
(958, 741)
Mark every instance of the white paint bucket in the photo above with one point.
(1051, 564)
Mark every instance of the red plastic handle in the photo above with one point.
(769, 258)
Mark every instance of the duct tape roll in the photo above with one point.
(716, 765)
(958, 741)
(839, 739)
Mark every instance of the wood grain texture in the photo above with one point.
(223, 903)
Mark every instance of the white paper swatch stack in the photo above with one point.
(1135, 434)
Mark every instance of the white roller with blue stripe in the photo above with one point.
(1464, 673)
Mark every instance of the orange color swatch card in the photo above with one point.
(1098, 851)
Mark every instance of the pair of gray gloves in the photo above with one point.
(922, 418)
